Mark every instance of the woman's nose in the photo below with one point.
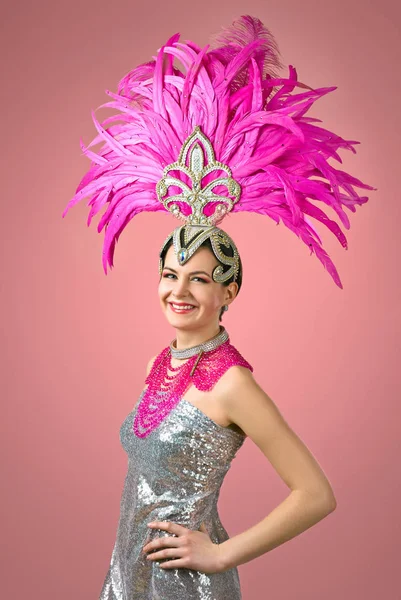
(181, 287)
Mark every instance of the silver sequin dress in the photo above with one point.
(174, 474)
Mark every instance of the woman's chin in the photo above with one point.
(185, 321)
(180, 323)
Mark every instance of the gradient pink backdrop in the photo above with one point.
(76, 342)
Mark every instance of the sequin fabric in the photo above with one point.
(174, 474)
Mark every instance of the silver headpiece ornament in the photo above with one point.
(198, 226)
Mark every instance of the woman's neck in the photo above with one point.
(187, 339)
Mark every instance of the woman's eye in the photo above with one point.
(168, 275)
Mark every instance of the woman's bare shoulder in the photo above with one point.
(235, 375)
(150, 364)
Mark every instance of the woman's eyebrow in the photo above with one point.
(192, 273)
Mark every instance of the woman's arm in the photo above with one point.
(311, 497)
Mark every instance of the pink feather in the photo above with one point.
(254, 120)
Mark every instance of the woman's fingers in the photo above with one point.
(175, 529)
(162, 542)
(166, 553)
(168, 526)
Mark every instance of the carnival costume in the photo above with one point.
(223, 134)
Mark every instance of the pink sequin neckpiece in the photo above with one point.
(164, 391)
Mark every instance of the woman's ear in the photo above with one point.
(231, 291)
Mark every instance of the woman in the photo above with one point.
(216, 139)
(189, 553)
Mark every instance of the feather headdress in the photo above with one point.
(255, 123)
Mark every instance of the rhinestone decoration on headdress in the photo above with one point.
(188, 238)
(227, 114)
(200, 226)
(198, 197)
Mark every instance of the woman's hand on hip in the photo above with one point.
(187, 548)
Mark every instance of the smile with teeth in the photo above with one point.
(181, 307)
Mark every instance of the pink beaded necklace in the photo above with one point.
(206, 363)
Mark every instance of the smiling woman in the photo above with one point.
(225, 134)
(204, 257)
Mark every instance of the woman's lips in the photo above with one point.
(181, 311)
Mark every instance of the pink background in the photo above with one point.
(75, 342)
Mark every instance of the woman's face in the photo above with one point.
(192, 284)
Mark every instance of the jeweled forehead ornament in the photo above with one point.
(197, 163)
